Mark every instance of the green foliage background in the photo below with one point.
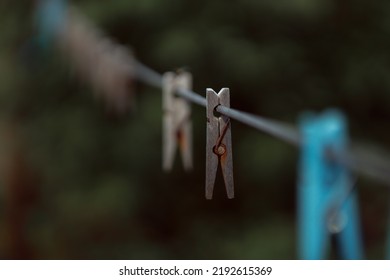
(102, 194)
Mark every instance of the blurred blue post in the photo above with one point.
(50, 16)
(322, 182)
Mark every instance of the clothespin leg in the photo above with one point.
(212, 137)
(227, 158)
(349, 237)
(169, 138)
(312, 232)
(169, 144)
(351, 247)
(184, 81)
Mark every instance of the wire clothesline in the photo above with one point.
(357, 159)
(277, 129)
(95, 47)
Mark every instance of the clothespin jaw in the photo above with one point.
(323, 181)
(50, 17)
(219, 142)
(177, 125)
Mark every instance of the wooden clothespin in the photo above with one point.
(327, 202)
(106, 65)
(219, 142)
(177, 125)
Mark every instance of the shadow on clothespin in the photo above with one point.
(177, 125)
(219, 142)
(327, 202)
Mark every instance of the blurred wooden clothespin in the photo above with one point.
(107, 66)
(219, 142)
(177, 125)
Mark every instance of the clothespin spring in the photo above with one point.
(219, 148)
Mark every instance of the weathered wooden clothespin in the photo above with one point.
(327, 202)
(177, 125)
(219, 142)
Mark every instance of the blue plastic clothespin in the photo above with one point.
(323, 182)
(50, 16)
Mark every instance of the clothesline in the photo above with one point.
(357, 159)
